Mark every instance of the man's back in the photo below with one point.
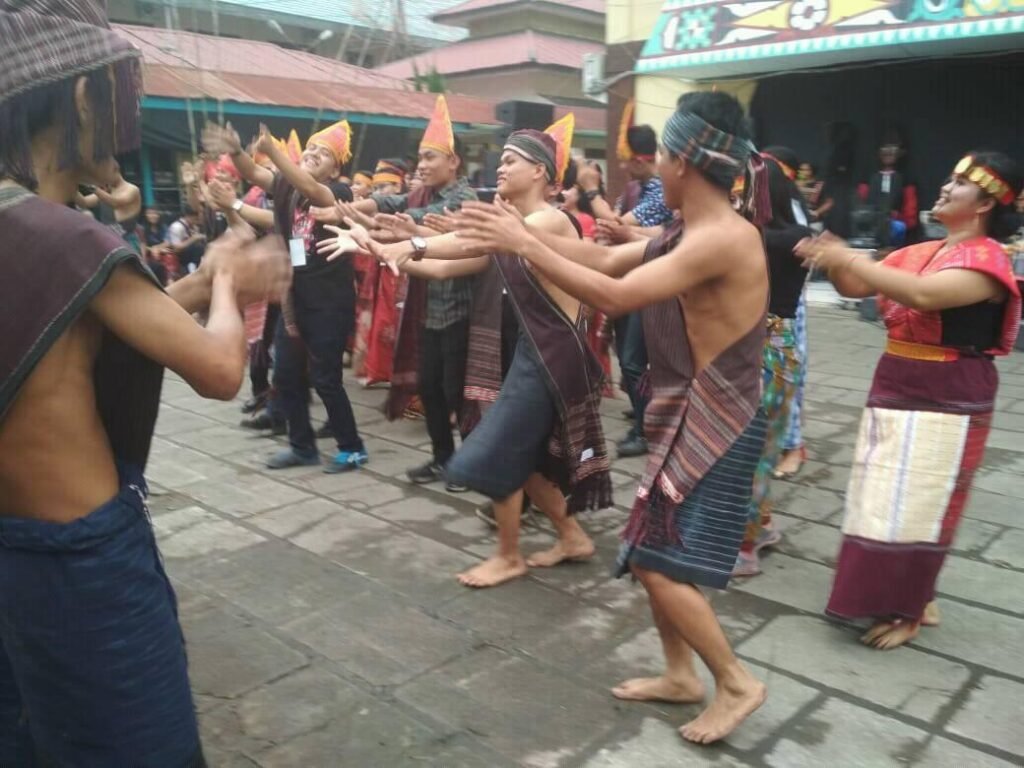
(50, 423)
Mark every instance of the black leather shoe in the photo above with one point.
(263, 422)
(427, 473)
(254, 403)
(632, 446)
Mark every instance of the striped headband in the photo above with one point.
(535, 146)
(721, 157)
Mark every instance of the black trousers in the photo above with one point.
(324, 318)
(442, 376)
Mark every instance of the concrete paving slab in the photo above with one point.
(916, 684)
(498, 697)
(382, 639)
(992, 715)
(841, 735)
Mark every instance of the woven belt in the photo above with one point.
(912, 351)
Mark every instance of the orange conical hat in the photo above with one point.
(622, 148)
(562, 132)
(294, 147)
(337, 138)
(439, 134)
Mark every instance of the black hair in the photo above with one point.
(584, 204)
(642, 140)
(114, 94)
(1004, 221)
(460, 153)
(717, 109)
(397, 162)
(571, 174)
(783, 194)
(721, 111)
(783, 154)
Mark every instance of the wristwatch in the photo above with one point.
(592, 194)
(419, 247)
(237, 206)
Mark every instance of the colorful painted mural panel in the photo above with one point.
(696, 33)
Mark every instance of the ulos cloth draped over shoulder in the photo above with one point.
(706, 433)
(922, 437)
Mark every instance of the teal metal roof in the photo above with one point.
(375, 14)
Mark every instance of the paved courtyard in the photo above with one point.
(326, 629)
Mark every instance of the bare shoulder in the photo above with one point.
(552, 220)
(729, 241)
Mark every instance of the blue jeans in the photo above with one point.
(325, 320)
(631, 349)
(92, 660)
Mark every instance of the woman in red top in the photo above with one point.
(949, 306)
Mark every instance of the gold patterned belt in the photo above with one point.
(913, 351)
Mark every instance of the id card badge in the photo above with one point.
(297, 250)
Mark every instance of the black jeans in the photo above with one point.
(442, 376)
(324, 318)
(631, 350)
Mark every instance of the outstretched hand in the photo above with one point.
(355, 239)
(345, 211)
(221, 139)
(824, 252)
(491, 227)
(614, 231)
(393, 227)
(265, 142)
(260, 269)
(443, 223)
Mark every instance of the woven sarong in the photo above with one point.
(697, 542)
(921, 440)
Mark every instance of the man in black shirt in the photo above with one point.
(320, 311)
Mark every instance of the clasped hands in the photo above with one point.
(824, 252)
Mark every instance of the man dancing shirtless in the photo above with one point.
(92, 663)
(704, 298)
(543, 432)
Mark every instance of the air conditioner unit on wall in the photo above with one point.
(593, 74)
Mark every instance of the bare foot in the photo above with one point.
(493, 571)
(790, 464)
(575, 549)
(661, 688)
(887, 635)
(733, 703)
(932, 617)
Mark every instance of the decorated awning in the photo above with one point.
(715, 39)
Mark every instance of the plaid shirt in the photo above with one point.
(448, 301)
(651, 211)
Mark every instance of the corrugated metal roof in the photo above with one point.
(445, 16)
(185, 83)
(186, 65)
(513, 50)
(223, 54)
(375, 14)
